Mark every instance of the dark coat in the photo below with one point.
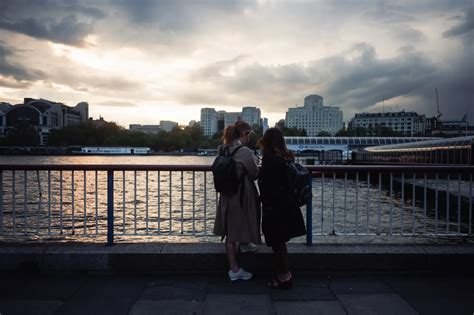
(281, 216)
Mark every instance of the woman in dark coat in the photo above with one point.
(282, 218)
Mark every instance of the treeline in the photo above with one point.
(110, 134)
(180, 138)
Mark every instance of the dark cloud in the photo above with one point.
(56, 21)
(66, 31)
(466, 24)
(178, 15)
(365, 79)
(45, 8)
(354, 80)
(14, 75)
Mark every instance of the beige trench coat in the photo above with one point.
(240, 223)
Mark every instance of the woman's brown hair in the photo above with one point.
(232, 132)
(273, 143)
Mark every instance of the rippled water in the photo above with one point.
(170, 206)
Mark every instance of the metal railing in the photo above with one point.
(98, 201)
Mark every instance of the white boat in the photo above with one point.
(114, 150)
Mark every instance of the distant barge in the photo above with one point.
(113, 151)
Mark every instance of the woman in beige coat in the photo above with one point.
(238, 215)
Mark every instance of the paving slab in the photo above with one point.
(303, 293)
(26, 307)
(145, 307)
(435, 286)
(441, 305)
(319, 281)
(309, 308)
(374, 304)
(175, 289)
(52, 287)
(358, 285)
(12, 285)
(233, 304)
(222, 285)
(436, 294)
(104, 295)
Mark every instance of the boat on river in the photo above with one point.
(113, 151)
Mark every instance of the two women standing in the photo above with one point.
(238, 215)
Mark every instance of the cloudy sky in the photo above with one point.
(143, 61)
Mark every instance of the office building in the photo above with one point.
(168, 125)
(4, 108)
(213, 121)
(251, 115)
(208, 121)
(220, 120)
(407, 123)
(231, 117)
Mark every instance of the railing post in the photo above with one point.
(309, 214)
(110, 208)
(1, 202)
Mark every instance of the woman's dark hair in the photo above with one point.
(273, 143)
(232, 132)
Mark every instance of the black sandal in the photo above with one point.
(276, 283)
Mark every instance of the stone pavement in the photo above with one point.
(339, 293)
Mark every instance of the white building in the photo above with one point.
(168, 125)
(208, 121)
(408, 123)
(251, 115)
(314, 117)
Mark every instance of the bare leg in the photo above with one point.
(231, 249)
(281, 260)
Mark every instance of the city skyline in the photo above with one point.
(145, 61)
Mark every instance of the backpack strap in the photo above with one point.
(242, 177)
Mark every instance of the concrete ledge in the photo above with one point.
(210, 257)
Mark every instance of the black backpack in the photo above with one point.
(224, 171)
(298, 177)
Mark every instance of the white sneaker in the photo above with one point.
(239, 275)
(247, 247)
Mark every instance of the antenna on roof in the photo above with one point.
(383, 106)
(438, 113)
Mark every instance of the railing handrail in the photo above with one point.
(205, 167)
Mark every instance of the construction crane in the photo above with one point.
(438, 113)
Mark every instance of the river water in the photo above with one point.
(180, 206)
